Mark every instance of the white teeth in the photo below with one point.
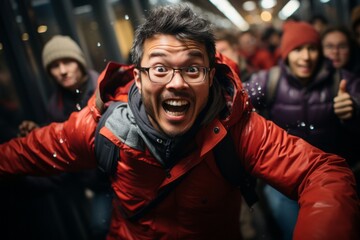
(174, 113)
(176, 102)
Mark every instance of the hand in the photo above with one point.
(343, 105)
(26, 127)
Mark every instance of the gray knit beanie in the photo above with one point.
(62, 47)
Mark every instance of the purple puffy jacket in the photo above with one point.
(307, 111)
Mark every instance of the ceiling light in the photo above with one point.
(267, 4)
(249, 6)
(266, 16)
(289, 9)
(229, 11)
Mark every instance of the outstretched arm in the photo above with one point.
(322, 183)
(52, 149)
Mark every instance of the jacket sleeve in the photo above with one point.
(322, 183)
(58, 147)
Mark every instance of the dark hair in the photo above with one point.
(178, 20)
(225, 35)
(318, 17)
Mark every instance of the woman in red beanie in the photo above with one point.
(310, 99)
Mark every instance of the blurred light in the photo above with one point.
(1, 46)
(229, 11)
(25, 36)
(153, 2)
(249, 6)
(83, 9)
(42, 29)
(266, 16)
(289, 9)
(267, 4)
(324, 1)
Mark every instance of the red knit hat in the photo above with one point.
(296, 34)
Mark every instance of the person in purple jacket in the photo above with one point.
(308, 98)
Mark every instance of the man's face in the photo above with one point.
(303, 61)
(174, 106)
(336, 48)
(67, 73)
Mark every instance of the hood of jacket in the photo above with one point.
(227, 96)
(227, 102)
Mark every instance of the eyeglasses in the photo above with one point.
(164, 74)
(340, 47)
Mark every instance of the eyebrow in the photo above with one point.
(193, 53)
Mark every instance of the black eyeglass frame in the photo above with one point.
(180, 69)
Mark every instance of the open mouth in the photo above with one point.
(176, 107)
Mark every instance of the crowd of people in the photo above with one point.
(190, 85)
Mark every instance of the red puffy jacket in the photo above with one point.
(203, 205)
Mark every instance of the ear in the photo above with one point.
(211, 76)
(137, 78)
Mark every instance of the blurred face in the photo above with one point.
(303, 61)
(247, 43)
(319, 26)
(224, 47)
(336, 48)
(173, 107)
(67, 73)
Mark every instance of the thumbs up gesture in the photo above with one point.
(343, 105)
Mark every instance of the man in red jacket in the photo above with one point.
(182, 104)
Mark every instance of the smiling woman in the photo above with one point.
(310, 101)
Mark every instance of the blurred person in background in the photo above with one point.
(270, 39)
(256, 57)
(309, 99)
(81, 199)
(226, 44)
(355, 23)
(319, 22)
(340, 47)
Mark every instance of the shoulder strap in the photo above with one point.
(107, 153)
(272, 84)
(233, 171)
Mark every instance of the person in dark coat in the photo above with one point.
(71, 194)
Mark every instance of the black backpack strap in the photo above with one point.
(107, 153)
(233, 171)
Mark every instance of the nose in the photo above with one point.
(305, 54)
(178, 80)
(62, 68)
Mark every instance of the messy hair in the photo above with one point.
(177, 20)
